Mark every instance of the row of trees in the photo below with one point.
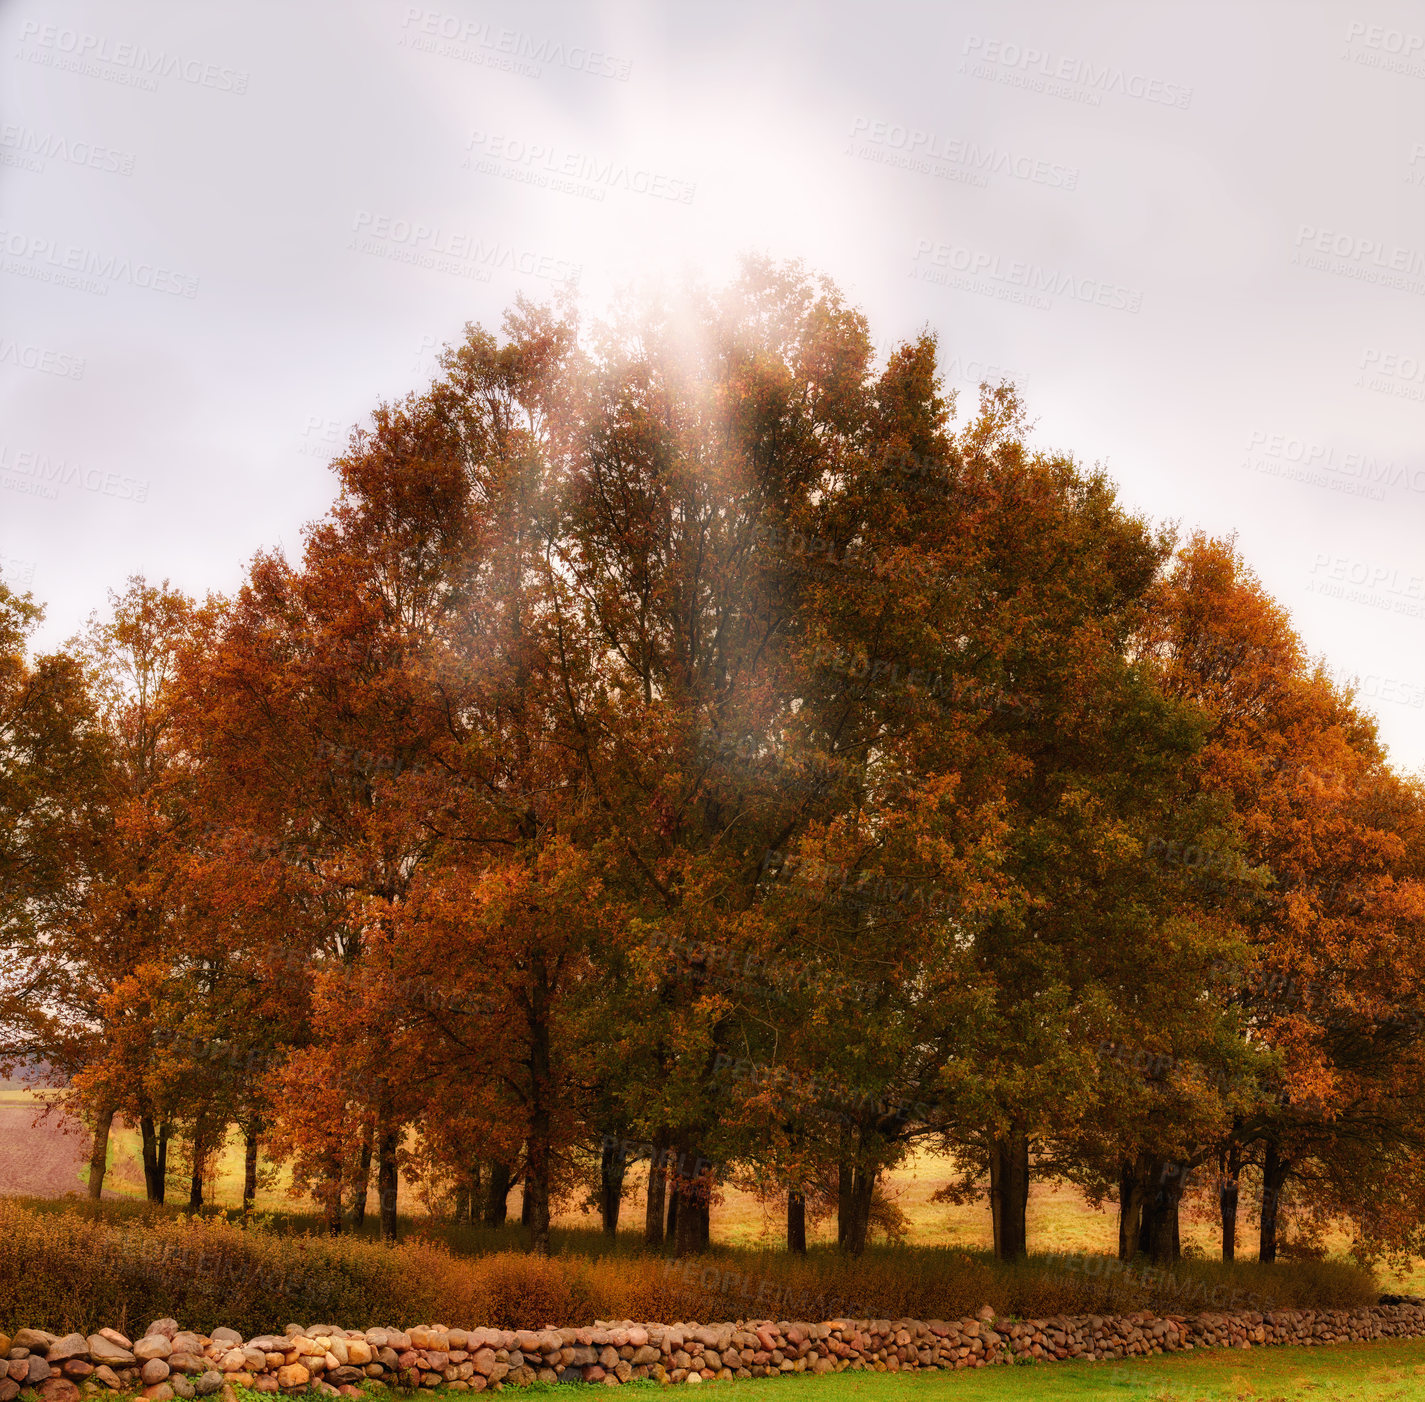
(686, 740)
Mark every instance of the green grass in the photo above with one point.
(1352, 1372)
(1358, 1372)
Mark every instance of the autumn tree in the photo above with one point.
(55, 820)
(110, 949)
(1326, 895)
(684, 731)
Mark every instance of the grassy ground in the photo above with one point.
(1059, 1217)
(1351, 1372)
(1359, 1372)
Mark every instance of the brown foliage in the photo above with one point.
(64, 1270)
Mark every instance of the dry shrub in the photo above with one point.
(63, 1269)
(522, 1292)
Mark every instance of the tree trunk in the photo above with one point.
(331, 1192)
(612, 1166)
(797, 1222)
(1274, 1174)
(1130, 1207)
(685, 1237)
(534, 1211)
(164, 1131)
(657, 1184)
(845, 1175)
(363, 1176)
(1009, 1194)
(99, 1152)
(1227, 1193)
(475, 1181)
(671, 1231)
(1158, 1237)
(497, 1196)
(152, 1173)
(249, 1167)
(387, 1181)
(863, 1187)
(201, 1149)
(537, 1144)
(692, 1199)
(683, 1224)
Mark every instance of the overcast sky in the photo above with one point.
(1194, 233)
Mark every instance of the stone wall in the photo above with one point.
(168, 1362)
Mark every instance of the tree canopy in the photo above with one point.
(690, 739)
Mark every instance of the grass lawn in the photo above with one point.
(1357, 1371)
